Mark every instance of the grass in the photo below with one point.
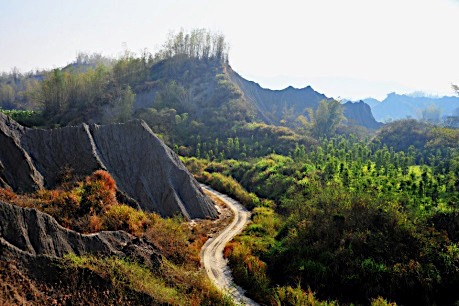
(171, 284)
(126, 273)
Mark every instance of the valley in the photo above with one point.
(168, 178)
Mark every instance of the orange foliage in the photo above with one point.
(6, 194)
(99, 193)
(95, 223)
(195, 248)
(105, 178)
(228, 250)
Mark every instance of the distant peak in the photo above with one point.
(308, 88)
(294, 88)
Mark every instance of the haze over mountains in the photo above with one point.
(399, 106)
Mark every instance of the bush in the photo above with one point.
(125, 218)
(248, 270)
(98, 193)
(297, 297)
(171, 237)
(232, 188)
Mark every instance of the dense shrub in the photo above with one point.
(171, 237)
(126, 218)
(98, 193)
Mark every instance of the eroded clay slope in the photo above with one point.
(144, 168)
(27, 234)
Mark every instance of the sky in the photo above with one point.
(349, 49)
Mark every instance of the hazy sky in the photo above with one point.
(347, 49)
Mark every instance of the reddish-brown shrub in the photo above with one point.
(103, 176)
(6, 194)
(98, 193)
(95, 223)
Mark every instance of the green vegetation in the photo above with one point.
(127, 273)
(25, 117)
(324, 121)
(171, 284)
(351, 220)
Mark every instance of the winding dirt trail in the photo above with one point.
(212, 251)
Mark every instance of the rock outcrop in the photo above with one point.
(144, 168)
(16, 168)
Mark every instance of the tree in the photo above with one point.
(124, 107)
(431, 114)
(199, 43)
(328, 116)
(54, 92)
(7, 96)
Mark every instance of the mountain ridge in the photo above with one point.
(400, 106)
(294, 102)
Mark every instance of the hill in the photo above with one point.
(359, 113)
(273, 106)
(198, 105)
(188, 94)
(284, 106)
(77, 245)
(144, 168)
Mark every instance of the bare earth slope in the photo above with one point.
(29, 232)
(143, 166)
(32, 271)
(148, 169)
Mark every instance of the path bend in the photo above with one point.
(212, 251)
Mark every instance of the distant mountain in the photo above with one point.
(371, 101)
(396, 106)
(274, 106)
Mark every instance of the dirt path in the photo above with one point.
(212, 251)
